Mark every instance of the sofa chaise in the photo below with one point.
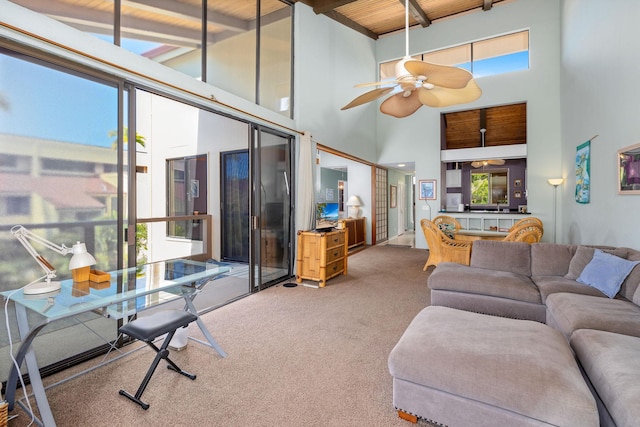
(571, 317)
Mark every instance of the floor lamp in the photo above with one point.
(555, 182)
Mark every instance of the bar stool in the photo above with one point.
(149, 328)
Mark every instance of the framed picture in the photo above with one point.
(517, 194)
(583, 172)
(522, 208)
(329, 195)
(629, 170)
(517, 183)
(393, 194)
(427, 188)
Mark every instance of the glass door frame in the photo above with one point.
(257, 282)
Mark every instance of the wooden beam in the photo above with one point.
(418, 14)
(324, 6)
(487, 4)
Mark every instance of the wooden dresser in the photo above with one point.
(356, 232)
(321, 255)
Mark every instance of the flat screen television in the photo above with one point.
(327, 215)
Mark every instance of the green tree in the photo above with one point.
(114, 134)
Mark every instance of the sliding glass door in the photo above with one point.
(59, 163)
(234, 194)
(273, 202)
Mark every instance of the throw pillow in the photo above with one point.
(583, 256)
(447, 229)
(606, 272)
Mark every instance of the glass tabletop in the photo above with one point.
(124, 292)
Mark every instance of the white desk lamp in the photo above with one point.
(79, 264)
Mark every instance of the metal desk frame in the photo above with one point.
(124, 286)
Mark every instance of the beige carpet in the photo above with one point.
(297, 357)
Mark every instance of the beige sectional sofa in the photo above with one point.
(542, 282)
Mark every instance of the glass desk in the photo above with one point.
(127, 292)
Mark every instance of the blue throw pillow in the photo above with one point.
(606, 272)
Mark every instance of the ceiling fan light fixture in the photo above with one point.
(401, 72)
(448, 85)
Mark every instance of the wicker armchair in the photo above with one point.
(442, 248)
(526, 221)
(528, 233)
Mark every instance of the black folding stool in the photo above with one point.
(149, 328)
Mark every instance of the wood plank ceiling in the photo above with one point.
(504, 124)
(374, 18)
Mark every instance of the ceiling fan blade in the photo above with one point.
(368, 97)
(439, 75)
(444, 97)
(389, 82)
(494, 162)
(399, 106)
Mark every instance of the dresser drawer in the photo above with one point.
(334, 268)
(335, 239)
(335, 253)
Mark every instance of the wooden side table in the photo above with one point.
(321, 255)
(356, 233)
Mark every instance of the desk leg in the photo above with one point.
(27, 337)
(212, 342)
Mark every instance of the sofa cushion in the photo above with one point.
(505, 256)
(583, 256)
(612, 363)
(548, 285)
(474, 280)
(570, 312)
(606, 272)
(550, 259)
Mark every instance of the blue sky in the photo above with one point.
(47, 103)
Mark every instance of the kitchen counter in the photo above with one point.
(486, 220)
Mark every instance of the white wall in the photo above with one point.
(329, 59)
(600, 69)
(598, 63)
(417, 137)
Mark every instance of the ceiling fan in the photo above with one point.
(422, 83)
(495, 162)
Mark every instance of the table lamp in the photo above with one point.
(80, 263)
(354, 204)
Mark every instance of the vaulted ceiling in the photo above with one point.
(374, 18)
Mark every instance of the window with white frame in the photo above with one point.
(496, 55)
